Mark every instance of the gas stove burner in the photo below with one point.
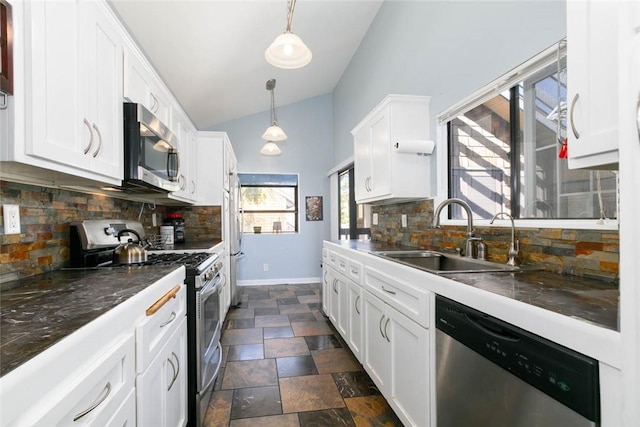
(194, 262)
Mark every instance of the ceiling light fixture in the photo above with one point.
(288, 50)
(270, 149)
(273, 132)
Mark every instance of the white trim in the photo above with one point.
(341, 166)
(275, 281)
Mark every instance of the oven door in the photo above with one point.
(208, 349)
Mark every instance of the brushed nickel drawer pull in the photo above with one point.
(388, 291)
(96, 403)
(386, 335)
(171, 319)
(88, 125)
(95, 153)
(380, 326)
(356, 304)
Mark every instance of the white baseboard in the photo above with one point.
(293, 281)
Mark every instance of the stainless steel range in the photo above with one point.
(92, 245)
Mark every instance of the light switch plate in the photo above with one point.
(374, 219)
(404, 220)
(11, 215)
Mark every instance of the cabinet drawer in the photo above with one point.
(407, 299)
(338, 262)
(93, 396)
(354, 272)
(154, 330)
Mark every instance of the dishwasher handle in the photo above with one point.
(490, 328)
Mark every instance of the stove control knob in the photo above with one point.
(208, 275)
(109, 231)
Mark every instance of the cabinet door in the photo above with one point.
(377, 352)
(362, 170)
(326, 290)
(102, 90)
(57, 131)
(409, 379)
(334, 296)
(354, 332)
(381, 154)
(161, 389)
(592, 58)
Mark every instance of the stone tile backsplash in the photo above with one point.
(588, 253)
(45, 214)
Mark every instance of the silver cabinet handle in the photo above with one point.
(105, 394)
(171, 319)
(638, 116)
(95, 153)
(86, 150)
(388, 291)
(176, 371)
(193, 186)
(573, 126)
(325, 276)
(356, 304)
(380, 326)
(386, 335)
(335, 282)
(155, 105)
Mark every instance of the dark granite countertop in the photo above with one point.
(38, 311)
(586, 299)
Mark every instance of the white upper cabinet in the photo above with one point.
(215, 162)
(141, 85)
(383, 174)
(74, 81)
(592, 95)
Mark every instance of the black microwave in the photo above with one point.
(151, 158)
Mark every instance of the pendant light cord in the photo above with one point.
(274, 117)
(292, 5)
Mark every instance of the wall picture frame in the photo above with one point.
(313, 208)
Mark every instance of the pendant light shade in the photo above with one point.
(270, 149)
(288, 50)
(273, 132)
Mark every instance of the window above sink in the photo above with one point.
(504, 143)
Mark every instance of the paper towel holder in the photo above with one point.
(419, 147)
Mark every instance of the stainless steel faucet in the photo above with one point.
(470, 239)
(515, 246)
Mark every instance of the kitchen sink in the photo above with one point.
(442, 263)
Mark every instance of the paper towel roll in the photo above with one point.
(414, 146)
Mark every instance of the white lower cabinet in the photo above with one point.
(162, 388)
(397, 359)
(355, 313)
(98, 395)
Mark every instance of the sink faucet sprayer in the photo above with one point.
(515, 246)
(470, 239)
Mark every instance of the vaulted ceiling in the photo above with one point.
(210, 53)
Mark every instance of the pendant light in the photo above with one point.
(273, 132)
(270, 149)
(288, 50)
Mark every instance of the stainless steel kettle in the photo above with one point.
(130, 252)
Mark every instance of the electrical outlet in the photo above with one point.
(375, 219)
(404, 220)
(11, 219)
(265, 267)
(154, 219)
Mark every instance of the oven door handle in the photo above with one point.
(217, 371)
(211, 287)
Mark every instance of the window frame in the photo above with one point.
(296, 212)
(502, 83)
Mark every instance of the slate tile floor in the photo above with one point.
(284, 365)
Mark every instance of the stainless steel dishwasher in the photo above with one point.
(491, 373)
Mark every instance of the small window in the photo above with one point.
(269, 203)
(504, 146)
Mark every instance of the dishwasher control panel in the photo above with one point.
(564, 374)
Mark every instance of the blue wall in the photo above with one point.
(443, 49)
(308, 151)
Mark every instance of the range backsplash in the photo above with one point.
(45, 214)
(588, 253)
